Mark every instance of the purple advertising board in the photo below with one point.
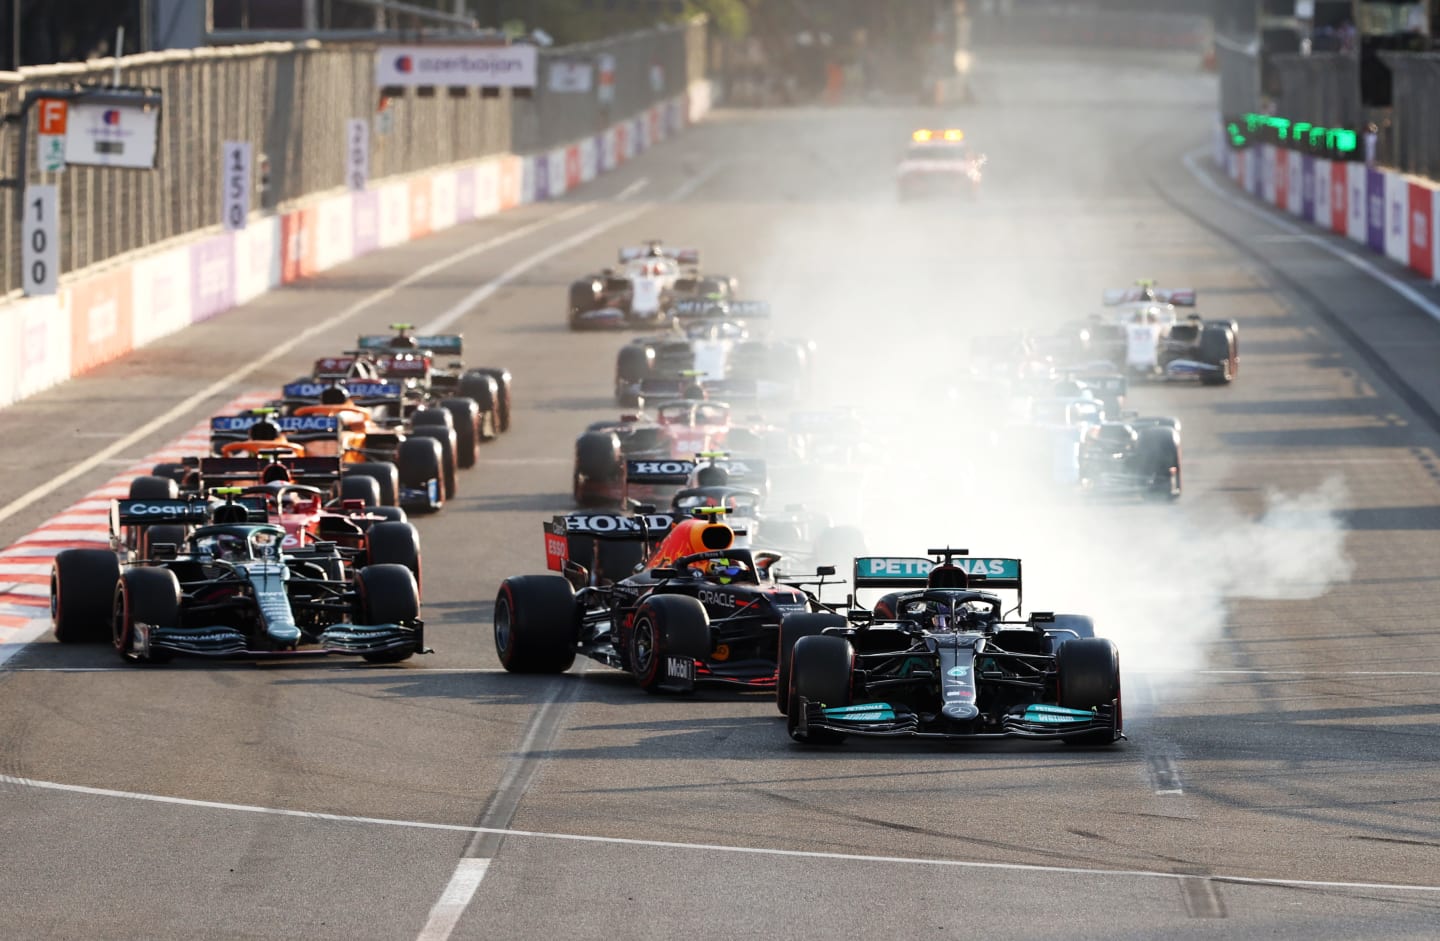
(365, 218)
(465, 194)
(1375, 210)
(539, 165)
(1307, 187)
(212, 277)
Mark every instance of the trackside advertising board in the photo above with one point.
(456, 66)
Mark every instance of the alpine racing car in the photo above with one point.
(1149, 339)
(230, 590)
(637, 293)
(696, 610)
(939, 163)
(937, 658)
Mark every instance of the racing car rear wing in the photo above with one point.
(1180, 297)
(570, 536)
(157, 512)
(906, 572)
(315, 471)
(665, 472)
(362, 392)
(681, 256)
(296, 428)
(441, 344)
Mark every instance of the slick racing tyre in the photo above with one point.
(82, 587)
(154, 488)
(1159, 463)
(360, 487)
(821, 669)
(449, 445)
(152, 536)
(386, 594)
(420, 461)
(665, 627)
(386, 474)
(536, 624)
(794, 627)
(1217, 348)
(1082, 625)
(465, 414)
(144, 596)
(598, 460)
(1087, 676)
(394, 543)
(484, 389)
(174, 470)
(504, 403)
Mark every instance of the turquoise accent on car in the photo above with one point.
(865, 712)
(1056, 714)
(915, 569)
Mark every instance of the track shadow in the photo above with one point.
(1386, 436)
(1382, 519)
(1354, 407)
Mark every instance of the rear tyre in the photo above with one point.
(792, 628)
(82, 588)
(386, 474)
(598, 459)
(465, 414)
(485, 391)
(154, 488)
(1088, 676)
(536, 624)
(152, 536)
(386, 594)
(144, 596)
(1159, 459)
(820, 671)
(421, 461)
(394, 544)
(174, 470)
(448, 447)
(666, 626)
(503, 403)
(1217, 348)
(361, 487)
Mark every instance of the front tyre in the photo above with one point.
(536, 623)
(821, 671)
(667, 631)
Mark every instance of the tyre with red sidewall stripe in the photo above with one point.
(536, 624)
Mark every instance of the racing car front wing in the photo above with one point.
(886, 721)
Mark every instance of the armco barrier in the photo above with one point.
(1395, 215)
(101, 316)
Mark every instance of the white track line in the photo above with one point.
(188, 404)
(483, 293)
(770, 852)
(1264, 212)
(454, 900)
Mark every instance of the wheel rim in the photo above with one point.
(642, 647)
(502, 629)
(120, 624)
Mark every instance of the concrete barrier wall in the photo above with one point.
(1392, 214)
(102, 315)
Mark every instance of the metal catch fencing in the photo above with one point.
(637, 70)
(1412, 138)
(291, 101)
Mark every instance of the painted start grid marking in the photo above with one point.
(25, 565)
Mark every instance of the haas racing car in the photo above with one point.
(1148, 338)
(937, 658)
(637, 293)
(697, 609)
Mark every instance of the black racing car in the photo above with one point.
(938, 659)
(230, 590)
(698, 611)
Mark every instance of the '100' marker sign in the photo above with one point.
(40, 240)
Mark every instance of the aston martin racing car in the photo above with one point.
(231, 590)
(938, 658)
(939, 163)
(696, 610)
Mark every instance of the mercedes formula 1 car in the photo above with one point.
(230, 590)
(937, 658)
(695, 609)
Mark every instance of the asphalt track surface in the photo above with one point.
(1283, 784)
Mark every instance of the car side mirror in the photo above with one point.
(660, 574)
(824, 570)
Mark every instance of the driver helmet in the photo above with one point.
(265, 430)
(334, 395)
(403, 341)
(724, 571)
(275, 473)
(229, 547)
(711, 476)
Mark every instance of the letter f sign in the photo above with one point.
(52, 116)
